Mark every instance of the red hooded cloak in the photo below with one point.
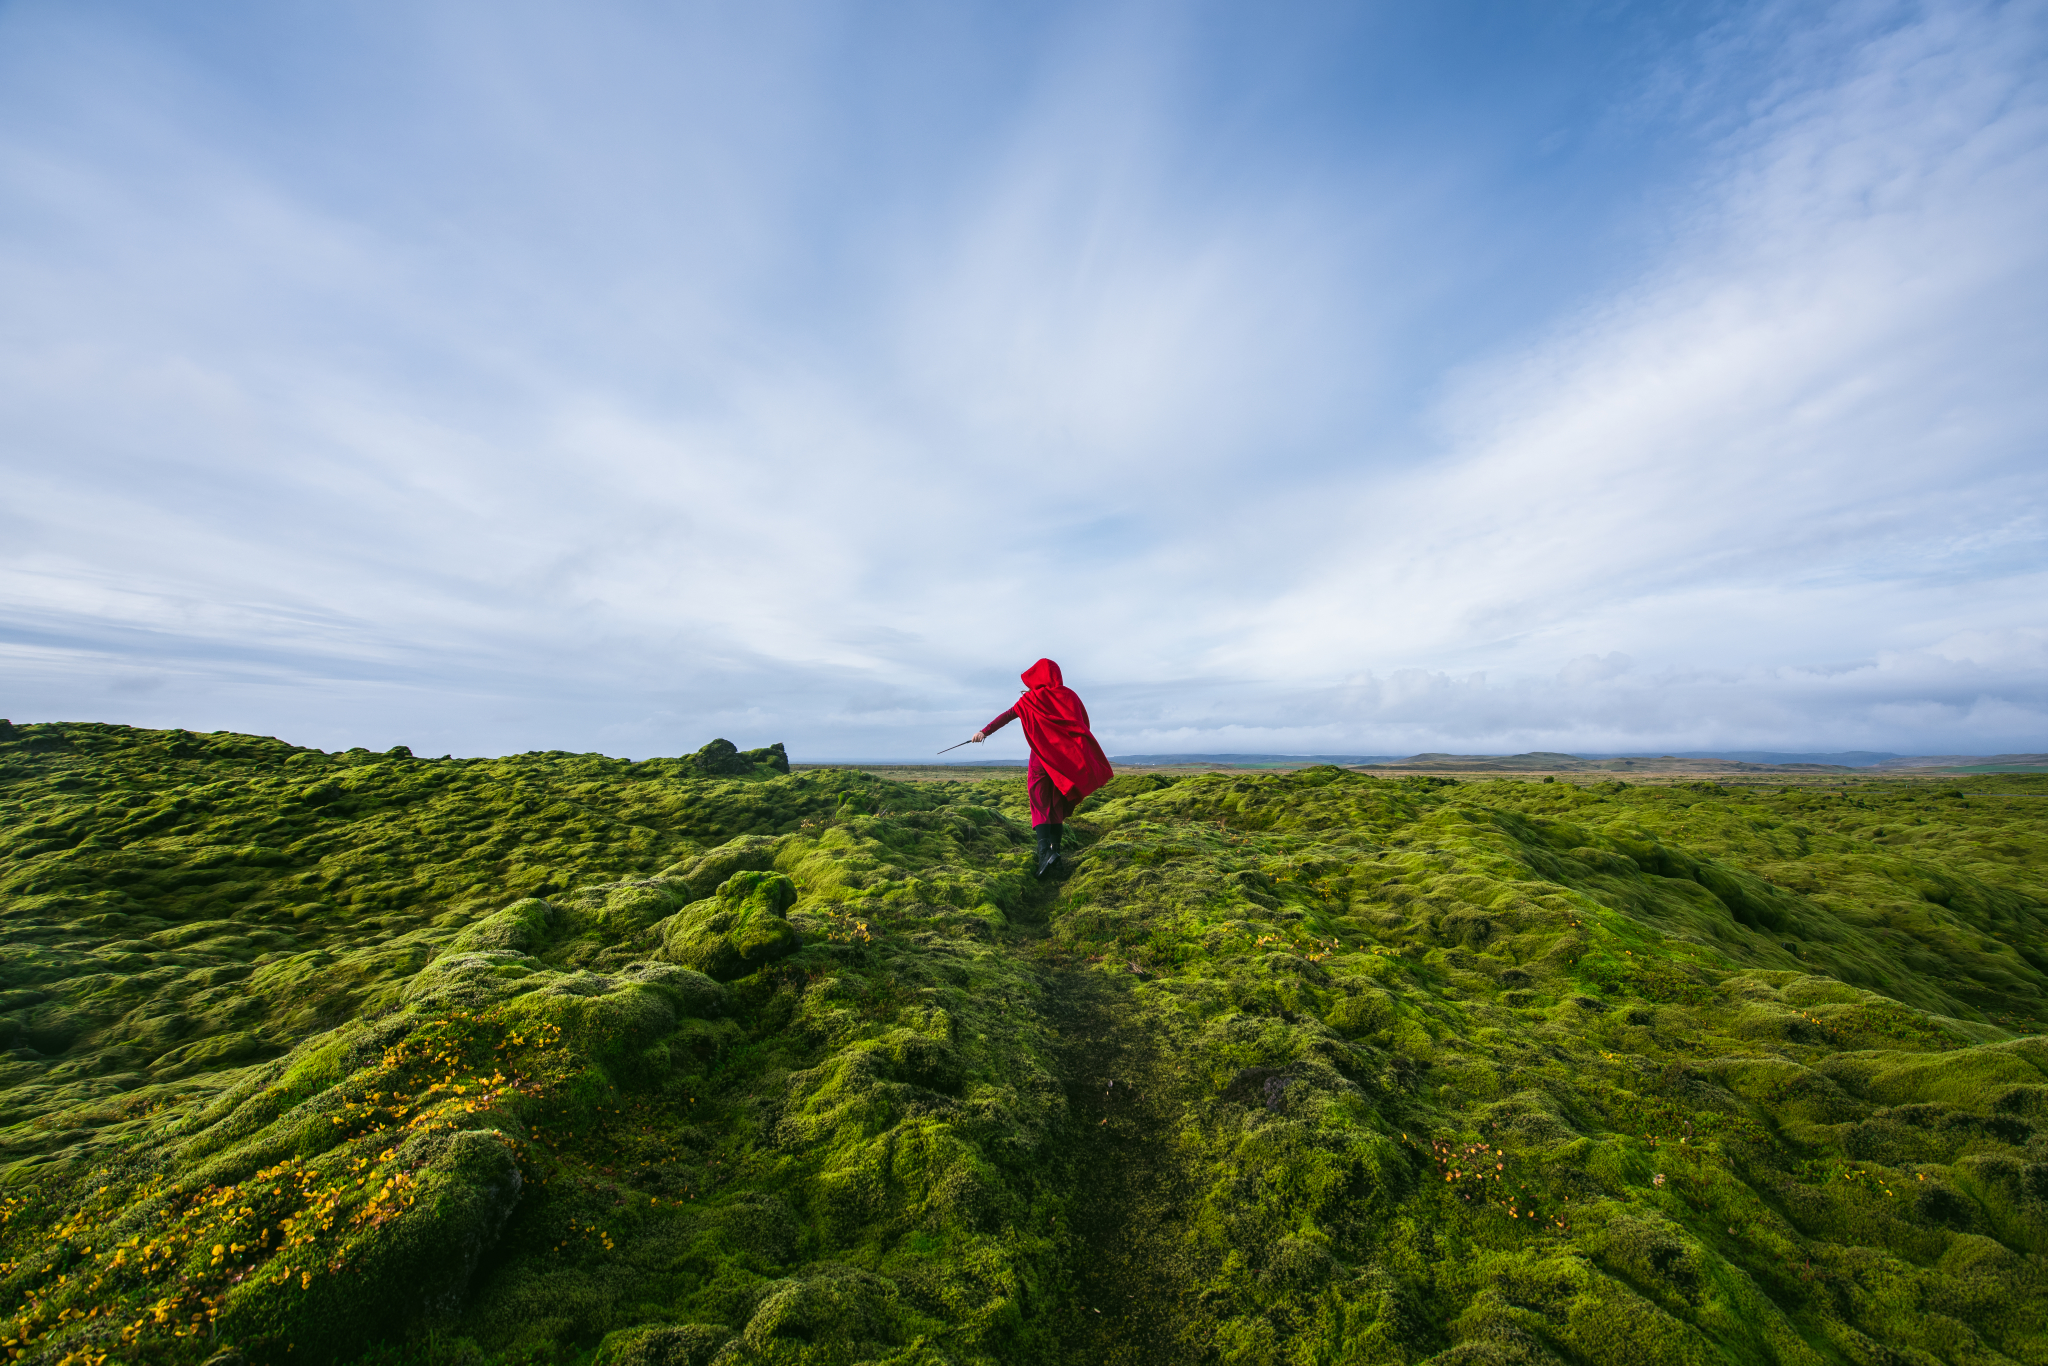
(1056, 727)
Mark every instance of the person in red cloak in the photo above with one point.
(1066, 763)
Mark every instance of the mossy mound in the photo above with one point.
(558, 1058)
(738, 930)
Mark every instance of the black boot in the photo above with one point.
(1048, 848)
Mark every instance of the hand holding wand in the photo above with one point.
(973, 739)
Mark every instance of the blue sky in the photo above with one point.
(1363, 378)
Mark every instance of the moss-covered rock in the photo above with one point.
(700, 876)
(450, 1195)
(737, 930)
(521, 927)
(722, 758)
(663, 1344)
(774, 756)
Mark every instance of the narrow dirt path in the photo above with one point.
(1131, 1299)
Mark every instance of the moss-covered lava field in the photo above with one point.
(329, 1058)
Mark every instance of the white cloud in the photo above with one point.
(1758, 451)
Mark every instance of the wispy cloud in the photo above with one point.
(1806, 439)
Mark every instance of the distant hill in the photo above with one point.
(1549, 762)
(929, 762)
(1250, 760)
(1971, 763)
(1855, 758)
(1540, 761)
(1717, 760)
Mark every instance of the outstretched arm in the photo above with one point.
(992, 727)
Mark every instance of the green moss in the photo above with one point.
(370, 1057)
(737, 931)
